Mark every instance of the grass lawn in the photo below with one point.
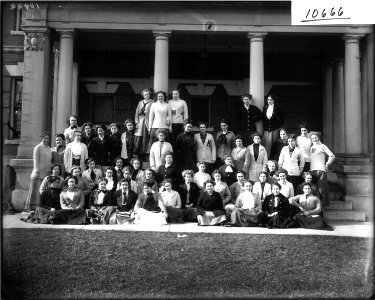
(44, 263)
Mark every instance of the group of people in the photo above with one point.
(230, 179)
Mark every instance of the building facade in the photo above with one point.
(93, 59)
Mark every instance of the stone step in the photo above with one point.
(345, 215)
(335, 195)
(340, 205)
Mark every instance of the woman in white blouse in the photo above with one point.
(286, 187)
(205, 147)
(262, 188)
(160, 117)
(304, 144)
(172, 202)
(76, 152)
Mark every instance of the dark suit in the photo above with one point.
(193, 194)
(171, 173)
(228, 177)
(185, 151)
(130, 200)
(101, 150)
(276, 121)
(87, 140)
(114, 147)
(246, 119)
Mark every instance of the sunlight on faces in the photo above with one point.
(108, 173)
(314, 138)
(100, 131)
(146, 189)
(248, 186)
(238, 142)
(202, 167)
(168, 159)
(282, 134)
(303, 131)
(76, 172)
(136, 164)
(270, 101)
(256, 139)
(307, 190)
(228, 161)
(308, 178)
(161, 136)
(271, 166)
(188, 127)
(175, 95)
(209, 187)
(59, 141)
(240, 177)
(291, 142)
(129, 126)
(146, 95)
(127, 174)
(160, 97)
(282, 177)
(217, 176)
(202, 128)
(148, 174)
(73, 121)
(275, 190)
(188, 178)
(77, 136)
(71, 183)
(45, 140)
(262, 178)
(102, 185)
(56, 171)
(92, 165)
(246, 101)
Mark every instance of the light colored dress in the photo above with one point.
(200, 178)
(247, 210)
(141, 118)
(241, 159)
(259, 165)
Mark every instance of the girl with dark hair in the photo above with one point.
(101, 148)
(225, 141)
(141, 118)
(258, 157)
(127, 140)
(241, 156)
(205, 147)
(172, 202)
(92, 174)
(273, 119)
(304, 144)
(279, 144)
(75, 152)
(160, 117)
(55, 171)
(58, 152)
(115, 143)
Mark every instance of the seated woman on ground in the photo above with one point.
(125, 199)
(168, 171)
(286, 187)
(271, 171)
(189, 193)
(275, 210)
(55, 171)
(262, 188)
(172, 202)
(314, 188)
(101, 204)
(72, 202)
(49, 202)
(310, 215)
(149, 208)
(92, 174)
(222, 188)
(210, 208)
(248, 208)
(228, 171)
(201, 176)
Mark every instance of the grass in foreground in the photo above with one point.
(111, 264)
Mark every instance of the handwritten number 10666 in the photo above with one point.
(332, 13)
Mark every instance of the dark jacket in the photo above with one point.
(88, 142)
(276, 148)
(228, 177)
(107, 200)
(276, 121)
(193, 194)
(130, 200)
(246, 119)
(101, 150)
(114, 147)
(185, 150)
(282, 206)
(50, 198)
(171, 173)
(212, 203)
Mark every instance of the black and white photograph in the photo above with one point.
(187, 149)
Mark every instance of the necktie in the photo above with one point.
(291, 151)
(73, 127)
(256, 151)
(92, 175)
(143, 109)
(222, 139)
(161, 147)
(119, 174)
(262, 186)
(188, 193)
(123, 198)
(203, 137)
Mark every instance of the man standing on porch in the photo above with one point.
(247, 115)
(69, 132)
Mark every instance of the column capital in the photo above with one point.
(352, 37)
(36, 40)
(258, 36)
(67, 33)
(162, 34)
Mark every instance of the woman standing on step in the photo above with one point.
(42, 157)
(319, 166)
(160, 118)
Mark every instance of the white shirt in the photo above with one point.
(76, 148)
(248, 200)
(269, 111)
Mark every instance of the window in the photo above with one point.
(14, 123)
(102, 109)
(200, 109)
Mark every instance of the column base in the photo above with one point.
(356, 178)
(23, 169)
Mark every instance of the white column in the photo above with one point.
(370, 93)
(161, 74)
(338, 95)
(256, 83)
(328, 133)
(64, 92)
(364, 103)
(352, 84)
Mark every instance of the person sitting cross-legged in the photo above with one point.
(125, 199)
(189, 192)
(247, 208)
(172, 202)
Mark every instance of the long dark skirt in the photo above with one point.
(175, 215)
(190, 214)
(40, 216)
(309, 222)
(142, 143)
(61, 216)
(244, 218)
(277, 221)
(102, 215)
